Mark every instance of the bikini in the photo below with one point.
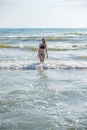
(42, 47)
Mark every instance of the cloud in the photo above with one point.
(43, 13)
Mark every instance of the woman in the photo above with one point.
(42, 50)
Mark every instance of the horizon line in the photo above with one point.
(41, 27)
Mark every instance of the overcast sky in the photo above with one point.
(43, 13)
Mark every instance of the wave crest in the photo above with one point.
(46, 65)
(50, 47)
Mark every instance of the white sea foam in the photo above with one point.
(46, 65)
(53, 47)
(68, 46)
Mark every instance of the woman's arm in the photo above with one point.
(46, 51)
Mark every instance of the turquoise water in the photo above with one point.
(49, 96)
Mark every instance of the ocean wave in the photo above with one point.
(54, 47)
(74, 36)
(16, 65)
(81, 57)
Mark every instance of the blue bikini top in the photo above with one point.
(42, 46)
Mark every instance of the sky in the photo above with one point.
(43, 13)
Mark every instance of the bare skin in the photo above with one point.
(42, 53)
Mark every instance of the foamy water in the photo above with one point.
(49, 96)
(46, 65)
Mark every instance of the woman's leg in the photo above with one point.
(42, 58)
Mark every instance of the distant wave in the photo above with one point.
(81, 57)
(50, 47)
(47, 65)
(74, 36)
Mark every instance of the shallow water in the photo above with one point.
(49, 96)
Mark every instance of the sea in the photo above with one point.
(43, 96)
